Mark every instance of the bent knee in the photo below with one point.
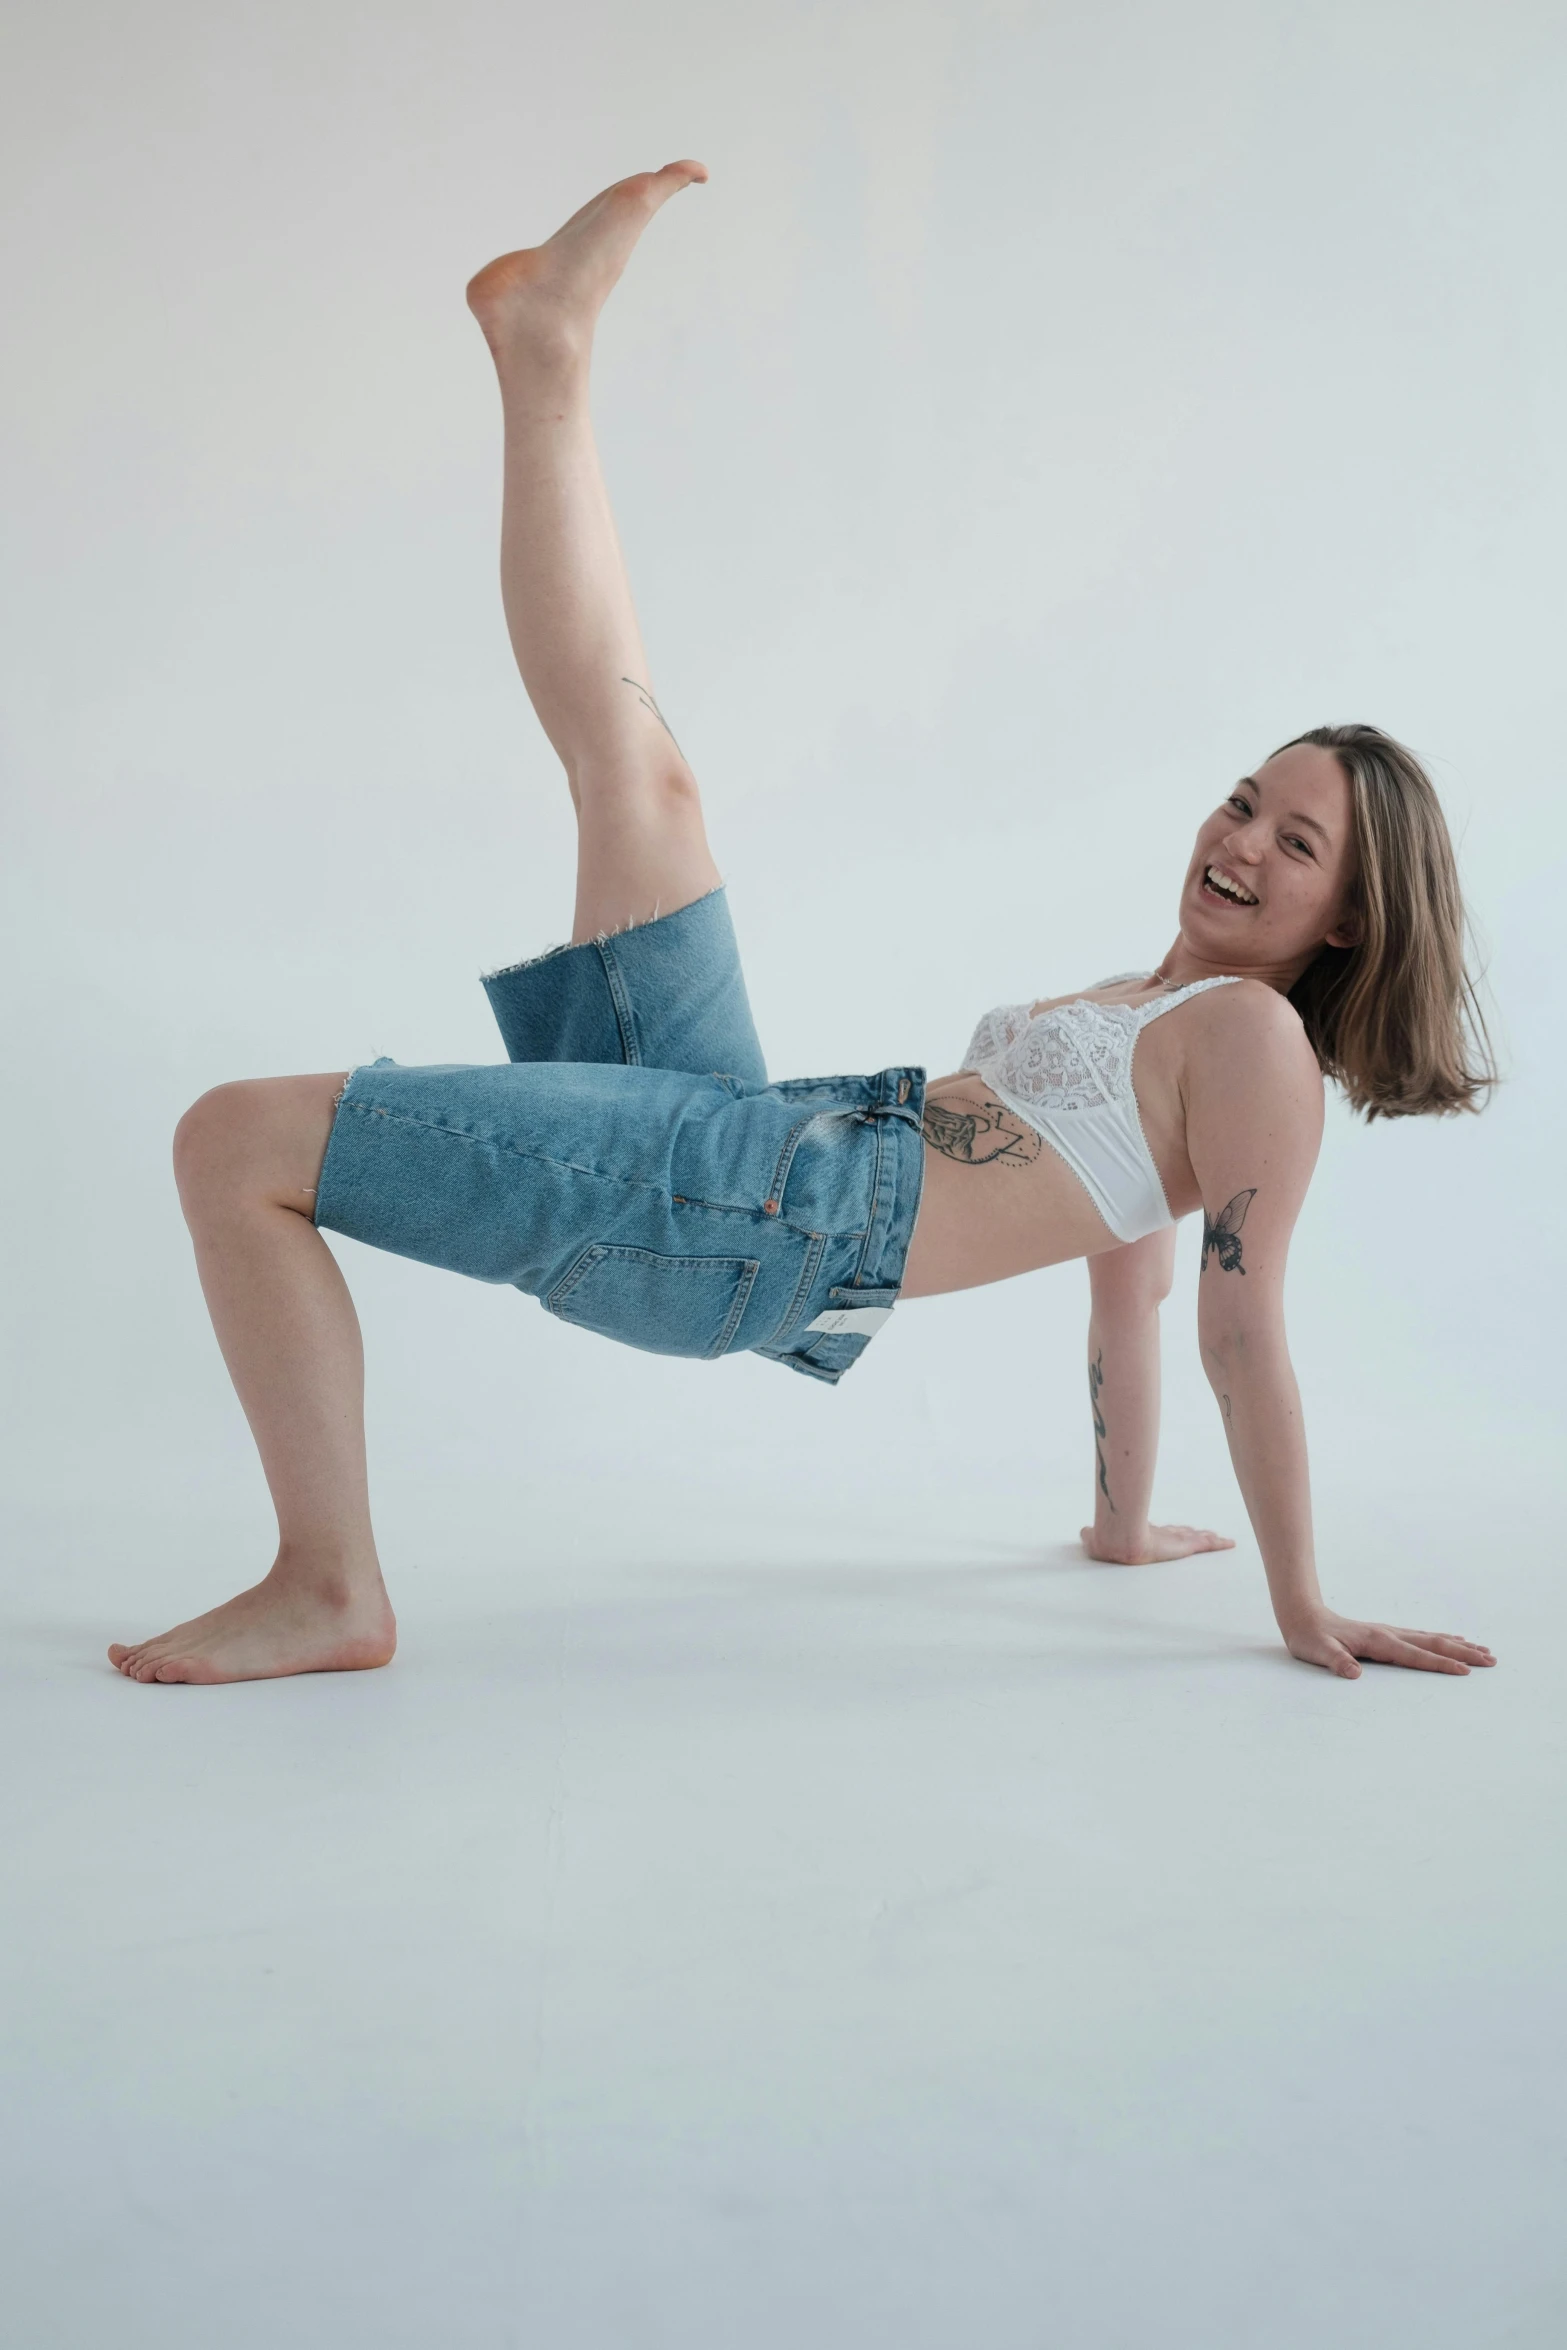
(253, 1136)
(206, 1135)
(229, 1136)
(219, 1110)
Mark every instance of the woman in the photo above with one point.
(631, 1166)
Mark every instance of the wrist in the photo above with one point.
(1301, 1613)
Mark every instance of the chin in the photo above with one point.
(1210, 922)
(1205, 921)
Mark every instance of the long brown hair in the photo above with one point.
(1395, 1019)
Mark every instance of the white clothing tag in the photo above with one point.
(851, 1321)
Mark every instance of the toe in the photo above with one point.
(189, 1668)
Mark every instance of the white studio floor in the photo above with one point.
(862, 1934)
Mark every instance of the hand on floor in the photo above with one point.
(1335, 1642)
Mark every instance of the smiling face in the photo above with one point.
(1273, 871)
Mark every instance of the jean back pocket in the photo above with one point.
(667, 1305)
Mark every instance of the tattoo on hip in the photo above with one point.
(977, 1132)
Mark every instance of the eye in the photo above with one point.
(1236, 800)
(1292, 840)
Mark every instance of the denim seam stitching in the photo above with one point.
(624, 1018)
(571, 1166)
(804, 1364)
(780, 1222)
(743, 1291)
(803, 1288)
(599, 1252)
(512, 1149)
(870, 1224)
(786, 1155)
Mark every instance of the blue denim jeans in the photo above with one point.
(631, 1167)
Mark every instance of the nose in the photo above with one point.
(1243, 846)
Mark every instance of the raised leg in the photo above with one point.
(247, 1159)
(642, 849)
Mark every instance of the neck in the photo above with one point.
(1182, 965)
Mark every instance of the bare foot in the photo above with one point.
(1156, 1544)
(279, 1626)
(549, 295)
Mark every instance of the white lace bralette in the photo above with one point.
(1067, 1072)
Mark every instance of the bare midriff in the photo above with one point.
(999, 1201)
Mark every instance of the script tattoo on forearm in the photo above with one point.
(980, 1133)
(1221, 1233)
(1096, 1380)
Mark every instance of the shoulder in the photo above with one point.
(1254, 1018)
(1249, 1052)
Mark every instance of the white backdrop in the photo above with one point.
(782, 1893)
(1044, 411)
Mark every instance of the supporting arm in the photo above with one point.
(1254, 1123)
(1127, 1286)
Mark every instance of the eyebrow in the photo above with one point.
(1295, 816)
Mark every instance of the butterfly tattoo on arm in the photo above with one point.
(1222, 1233)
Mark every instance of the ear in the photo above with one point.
(1347, 933)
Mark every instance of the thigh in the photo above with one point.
(641, 852)
(681, 1214)
(539, 1173)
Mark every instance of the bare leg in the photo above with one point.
(642, 849)
(247, 1158)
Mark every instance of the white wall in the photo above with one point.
(1044, 411)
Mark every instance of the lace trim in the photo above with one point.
(1075, 1056)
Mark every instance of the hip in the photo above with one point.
(682, 1214)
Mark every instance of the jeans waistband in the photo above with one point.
(895, 1110)
(865, 1279)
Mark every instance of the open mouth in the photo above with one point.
(1224, 886)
